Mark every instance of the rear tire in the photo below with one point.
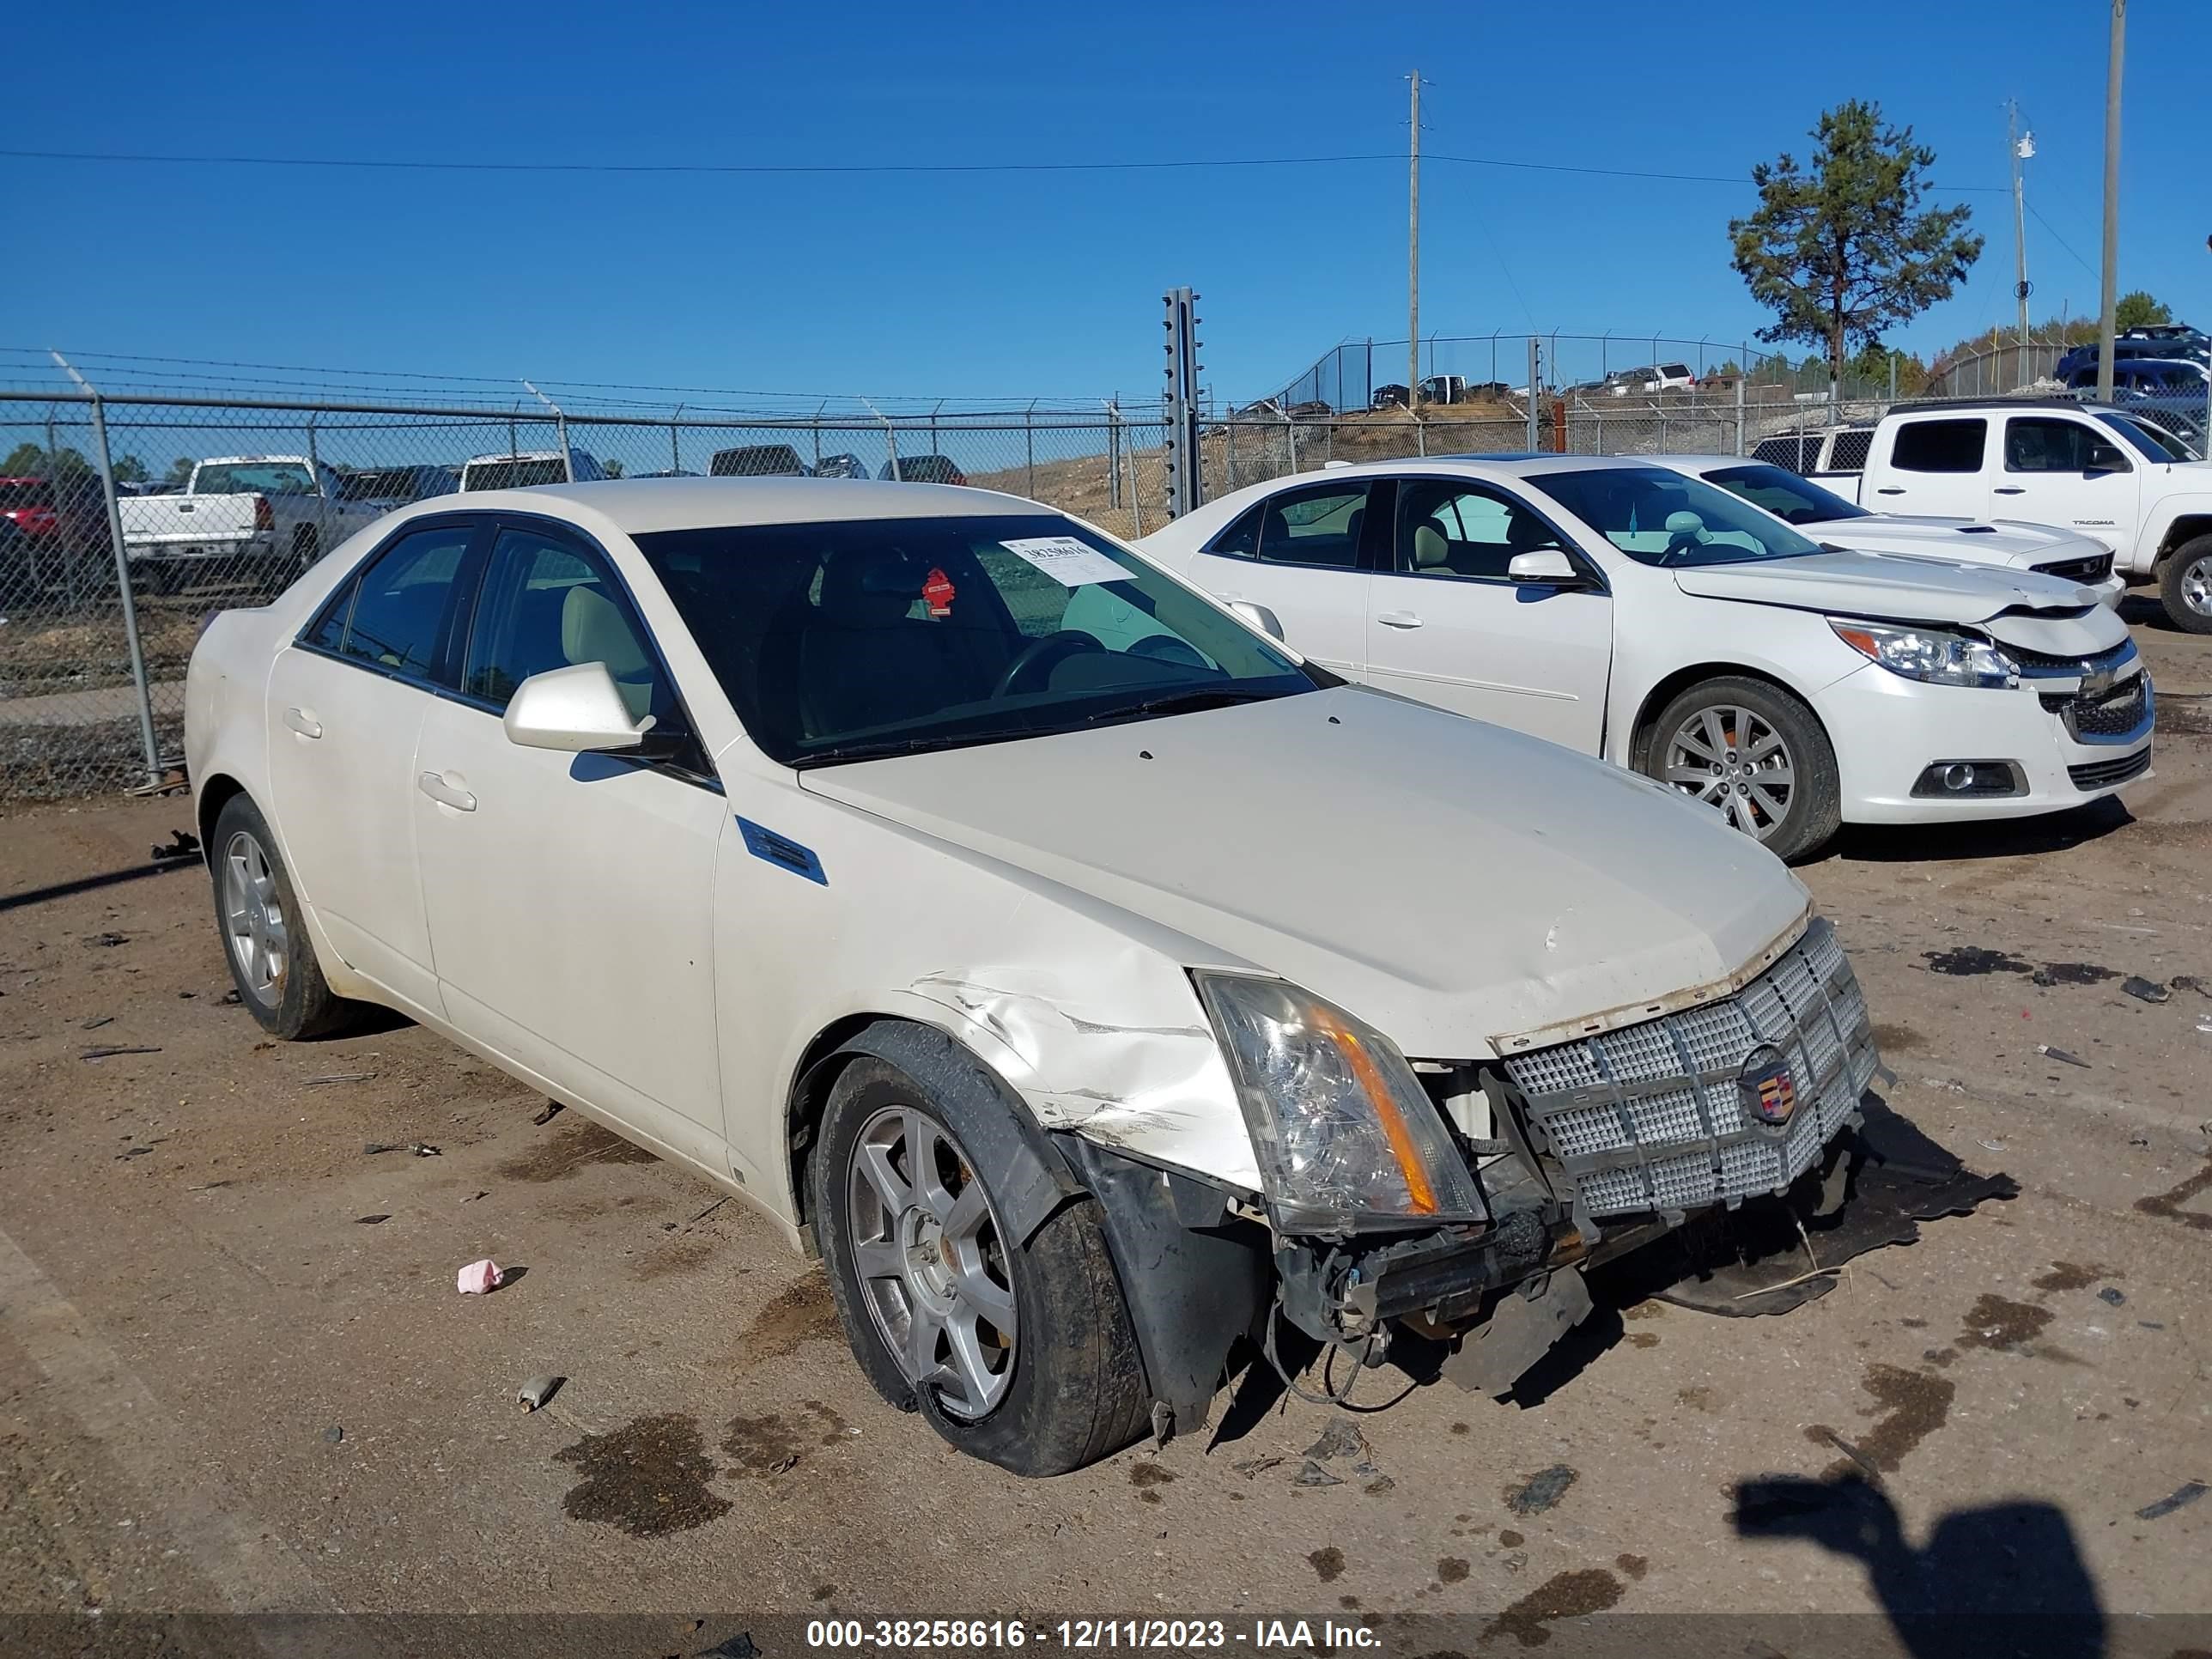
(264, 936)
(1732, 742)
(1063, 1388)
(2184, 584)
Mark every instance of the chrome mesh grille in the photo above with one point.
(1650, 1116)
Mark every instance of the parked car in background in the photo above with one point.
(385, 488)
(1817, 452)
(1833, 520)
(923, 468)
(869, 817)
(1388, 397)
(2087, 468)
(1648, 381)
(1444, 389)
(55, 522)
(526, 469)
(845, 465)
(2125, 349)
(2174, 390)
(757, 461)
(1625, 611)
(666, 473)
(258, 518)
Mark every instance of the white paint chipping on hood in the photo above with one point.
(1445, 879)
(1890, 587)
(2021, 546)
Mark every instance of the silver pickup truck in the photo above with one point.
(258, 517)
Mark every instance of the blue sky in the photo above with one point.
(1020, 284)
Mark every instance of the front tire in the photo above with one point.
(265, 937)
(2184, 584)
(1021, 1354)
(1758, 755)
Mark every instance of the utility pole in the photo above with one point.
(2105, 330)
(2020, 151)
(1414, 259)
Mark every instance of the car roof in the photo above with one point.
(1698, 462)
(641, 505)
(518, 455)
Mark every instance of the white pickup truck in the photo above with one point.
(240, 517)
(2093, 471)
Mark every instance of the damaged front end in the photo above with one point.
(1686, 1125)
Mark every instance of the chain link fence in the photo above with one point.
(221, 502)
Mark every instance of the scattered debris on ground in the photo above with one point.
(109, 1050)
(551, 1110)
(479, 1278)
(2061, 1055)
(181, 844)
(2146, 990)
(537, 1390)
(2180, 1498)
(420, 1148)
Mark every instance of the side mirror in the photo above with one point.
(576, 710)
(1544, 564)
(2107, 458)
(1259, 616)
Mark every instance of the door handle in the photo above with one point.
(303, 722)
(1888, 489)
(433, 785)
(1398, 619)
(2010, 489)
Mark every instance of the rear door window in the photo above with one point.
(393, 616)
(1320, 526)
(1939, 446)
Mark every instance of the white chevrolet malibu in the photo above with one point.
(1091, 980)
(1831, 520)
(1622, 608)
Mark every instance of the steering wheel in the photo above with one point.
(1680, 541)
(1040, 657)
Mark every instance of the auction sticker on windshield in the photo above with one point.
(1068, 561)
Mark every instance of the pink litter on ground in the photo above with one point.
(478, 1277)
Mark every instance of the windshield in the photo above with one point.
(1662, 518)
(261, 477)
(1782, 493)
(514, 474)
(2151, 440)
(848, 640)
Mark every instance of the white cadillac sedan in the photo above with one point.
(1830, 519)
(1624, 610)
(1091, 980)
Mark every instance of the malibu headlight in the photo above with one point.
(1934, 654)
(1344, 1135)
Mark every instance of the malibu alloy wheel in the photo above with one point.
(1754, 753)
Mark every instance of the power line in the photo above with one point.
(775, 168)
(2061, 241)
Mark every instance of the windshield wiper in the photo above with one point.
(1189, 702)
(881, 748)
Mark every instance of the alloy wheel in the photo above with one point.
(253, 920)
(1730, 758)
(2197, 586)
(931, 1261)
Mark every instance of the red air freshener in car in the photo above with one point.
(938, 591)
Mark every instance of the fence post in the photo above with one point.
(676, 456)
(152, 747)
(1029, 440)
(315, 471)
(1113, 456)
(1535, 348)
(1742, 374)
(1229, 446)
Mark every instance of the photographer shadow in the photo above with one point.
(2006, 1577)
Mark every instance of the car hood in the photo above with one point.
(2020, 546)
(1894, 586)
(1448, 880)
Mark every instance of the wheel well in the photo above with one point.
(810, 1095)
(215, 794)
(2182, 530)
(1647, 717)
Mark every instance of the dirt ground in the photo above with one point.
(234, 1375)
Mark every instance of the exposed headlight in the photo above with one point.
(1933, 654)
(1344, 1133)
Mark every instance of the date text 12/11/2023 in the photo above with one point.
(1086, 1635)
